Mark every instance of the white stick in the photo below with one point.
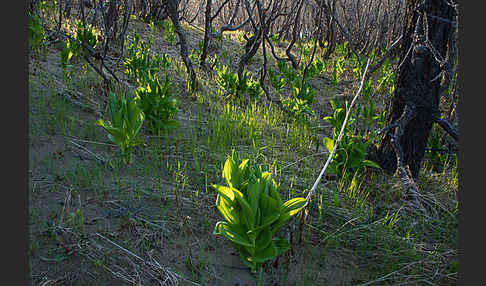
(348, 112)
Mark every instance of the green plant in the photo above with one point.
(86, 34)
(297, 105)
(305, 93)
(37, 35)
(358, 66)
(342, 49)
(298, 108)
(154, 32)
(195, 55)
(315, 68)
(139, 62)
(305, 50)
(234, 86)
(368, 115)
(337, 70)
(227, 80)
(158, 104)
(287, 72)
(367, 89)
(71, 50)
(275, 38)
(276, 81)
(169, 31)
(214, 62)
(73, 46)
(126, 119)
(349, 157)
(253, 211)
(434, 152)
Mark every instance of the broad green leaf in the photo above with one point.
(117, 141)
(293, 206)
(289, 209)
(328, 143)
(247, 210)
(116, 134)
(370, 164)
(233, 233)
(263, 240)
(231, 172)
(267, 181)
(266, 221)
(226, 192)
(268, 253)
(253, 193)
(275, 194)
(226, 208)
(268, 205)
(244, 168)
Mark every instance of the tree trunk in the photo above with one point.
(207, 33)
(415, 103)
(173, 12)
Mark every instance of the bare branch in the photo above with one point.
(348, 112)
(447, 126)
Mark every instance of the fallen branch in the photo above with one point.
(348, 112)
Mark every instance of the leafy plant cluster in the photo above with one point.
(139, 61)
(73, 46)
(235, 86)
(37, 34)
(154, 100)
(169, 31)
(159, 104)
(253, 211)
(297, 104)
(349, 157)
(126, 119)
(338, 69)
(195, 54)
(435, 152)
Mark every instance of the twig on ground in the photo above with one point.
(87, 151)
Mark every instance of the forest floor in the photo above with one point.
(96, 221)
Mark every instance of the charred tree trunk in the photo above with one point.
(173, 13)
(330, 36)
(207, 33)
(415, 104)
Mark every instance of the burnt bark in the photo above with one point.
(173, 13)
(417, 88)
(207, 33)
